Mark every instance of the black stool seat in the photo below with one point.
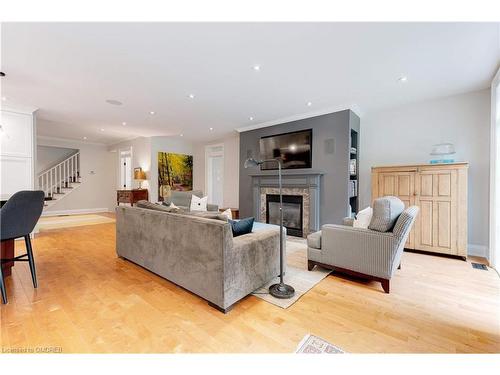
(18, 217)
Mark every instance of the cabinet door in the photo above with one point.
(401, 185)
(436, 224)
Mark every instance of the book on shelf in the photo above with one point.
(352, 167)
(353, 188)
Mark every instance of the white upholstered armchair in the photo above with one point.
(373, 253)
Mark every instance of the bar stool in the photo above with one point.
(18, 218)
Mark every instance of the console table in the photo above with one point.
(131, 196)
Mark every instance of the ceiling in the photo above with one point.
(69, 70)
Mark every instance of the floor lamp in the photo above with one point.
(280, 290)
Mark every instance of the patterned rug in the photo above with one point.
(311, 344)
(296, 275)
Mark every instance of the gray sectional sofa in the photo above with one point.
(198, 253)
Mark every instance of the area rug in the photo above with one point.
(311, 344)
(68, 221)
(296, 275)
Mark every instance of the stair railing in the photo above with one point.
(60, 176)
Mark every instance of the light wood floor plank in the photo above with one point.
(89, 300)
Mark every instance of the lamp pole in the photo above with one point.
(280, 290)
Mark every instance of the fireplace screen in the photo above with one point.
(292, 212)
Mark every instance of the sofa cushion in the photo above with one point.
(207, 215)
(157, 207)
(314, 240)
(183, 198)
(386, 210)
(243, 226)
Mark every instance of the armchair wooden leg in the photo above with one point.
(2, 285)
(31, 260)
(385, 285)
(310, 265)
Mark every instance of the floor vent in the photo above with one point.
(479, 266)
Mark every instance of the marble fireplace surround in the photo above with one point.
(304, 183)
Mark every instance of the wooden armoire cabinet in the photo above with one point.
(440, 190)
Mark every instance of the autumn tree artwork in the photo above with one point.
(175, 172)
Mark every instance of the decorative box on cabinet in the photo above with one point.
(440, 191)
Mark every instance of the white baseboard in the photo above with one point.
(477, 250)
(75, 212)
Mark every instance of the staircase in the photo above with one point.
(60, 180)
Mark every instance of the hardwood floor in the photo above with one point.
(89, 300)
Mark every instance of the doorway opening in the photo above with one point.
(125, 165)
(214, 174)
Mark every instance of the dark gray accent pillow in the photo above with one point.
(243, 226)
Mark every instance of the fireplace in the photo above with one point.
(292, 212)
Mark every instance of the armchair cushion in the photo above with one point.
(314, 240)
(386, 210)
(361, 250)
(405, 221)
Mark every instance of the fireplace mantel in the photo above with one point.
(288, 172)
(300, 179)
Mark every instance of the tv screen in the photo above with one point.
(294, 149)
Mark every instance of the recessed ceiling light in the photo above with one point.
(4, 98)
(250, 118)
(113, 102)
(309, 104)
(210, 129)
(181, 135)
(101, 129)
(191, 96)
(403, 79)
(84, 138)
(152, 112)
(256, 68)
(124, 123)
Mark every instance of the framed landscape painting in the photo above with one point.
(175, 172)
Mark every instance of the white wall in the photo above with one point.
(47, 157)
(145, 155)
(405, 135)
(231, 168)
(17, 151)
(98, 172)
(141, 157)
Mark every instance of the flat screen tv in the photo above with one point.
(294, 149)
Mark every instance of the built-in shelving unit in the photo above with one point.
(353, 171)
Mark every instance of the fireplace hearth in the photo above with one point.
(292, 213)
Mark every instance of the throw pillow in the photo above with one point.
(198, 204)
(243, 226)
(386, 210)
(227, 213)
(363, 218)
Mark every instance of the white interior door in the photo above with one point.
(214, 174)
(125, 170)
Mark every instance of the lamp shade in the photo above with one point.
(139, 174)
